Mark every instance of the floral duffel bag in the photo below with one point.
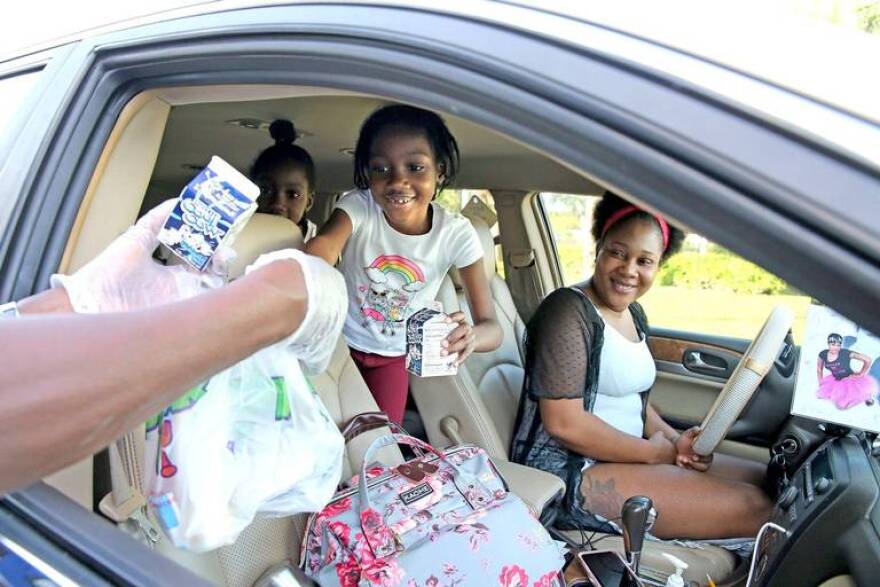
(443, 518)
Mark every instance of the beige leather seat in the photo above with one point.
(269, 541)
(479, 406)
(455, 409)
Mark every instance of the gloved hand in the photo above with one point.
(124, 276)
(327, 304)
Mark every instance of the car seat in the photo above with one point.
(479, 404)
(266, 541)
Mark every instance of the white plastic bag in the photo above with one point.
(254, 438)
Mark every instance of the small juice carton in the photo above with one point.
(210, 211)
(425, 331)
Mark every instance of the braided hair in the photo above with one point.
(610, 204)
(283, 153)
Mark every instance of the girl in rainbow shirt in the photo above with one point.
(396, 246)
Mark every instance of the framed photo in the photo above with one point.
(838, 377)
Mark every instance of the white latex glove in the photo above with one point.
(313, 342)
(124, 276)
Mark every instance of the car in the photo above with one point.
(773, 156)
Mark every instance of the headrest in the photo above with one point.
(488, 242)
(262, 234)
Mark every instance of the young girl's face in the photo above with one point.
(284, 191)
(403, 176)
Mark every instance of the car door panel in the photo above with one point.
(682, 401)
(692, 370)
(82, 547)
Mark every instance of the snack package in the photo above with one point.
(425, 331)
(211, 209)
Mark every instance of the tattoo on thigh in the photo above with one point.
(601, 496)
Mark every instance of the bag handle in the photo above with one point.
(367, 421)
(380, 539)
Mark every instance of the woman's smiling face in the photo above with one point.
(627, 263)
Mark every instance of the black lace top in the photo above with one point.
(563, 343)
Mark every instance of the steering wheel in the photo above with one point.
(756, 362)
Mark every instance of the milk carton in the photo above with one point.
(425, 331)
(210, 211)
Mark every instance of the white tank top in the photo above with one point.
(627, 368)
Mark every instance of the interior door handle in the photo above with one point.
(694, 360)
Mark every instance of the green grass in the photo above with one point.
(719, 312)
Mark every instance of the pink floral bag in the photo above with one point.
(445, 518)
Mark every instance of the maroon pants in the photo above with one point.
(387, 379)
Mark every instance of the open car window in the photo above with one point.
(704, 288)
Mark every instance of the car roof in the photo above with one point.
(815, 59)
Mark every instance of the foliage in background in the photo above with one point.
(456, 200)
(869, 17)
(450, 199)
(853, 15)
(720, 270)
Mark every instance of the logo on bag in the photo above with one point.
(162, 421)
(282, 399)
(416, 493)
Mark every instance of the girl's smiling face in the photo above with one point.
(403, 178)
(627, 263)
(284, 191)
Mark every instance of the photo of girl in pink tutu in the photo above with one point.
(843, 386)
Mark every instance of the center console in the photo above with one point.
(829, 512)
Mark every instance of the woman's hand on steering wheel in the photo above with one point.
(685, 455)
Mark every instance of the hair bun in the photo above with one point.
(282, 131)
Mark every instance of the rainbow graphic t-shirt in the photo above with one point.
(390, 275)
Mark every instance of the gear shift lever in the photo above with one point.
(637, 517)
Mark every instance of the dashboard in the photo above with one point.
(828, 510)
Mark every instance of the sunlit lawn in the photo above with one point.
(718, 312)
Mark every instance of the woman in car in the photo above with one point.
(584, 415)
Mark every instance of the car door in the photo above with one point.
(705, 311)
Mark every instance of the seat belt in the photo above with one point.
(126, 504)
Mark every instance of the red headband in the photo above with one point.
(626, 211)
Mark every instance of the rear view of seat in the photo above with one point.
(479, 406)
(269, 541)
(487, 387)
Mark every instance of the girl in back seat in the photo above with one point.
(397, 245)
(285, 174)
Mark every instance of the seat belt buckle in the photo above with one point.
(145, 523)
(133, 509)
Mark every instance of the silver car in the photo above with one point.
(751, 138)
